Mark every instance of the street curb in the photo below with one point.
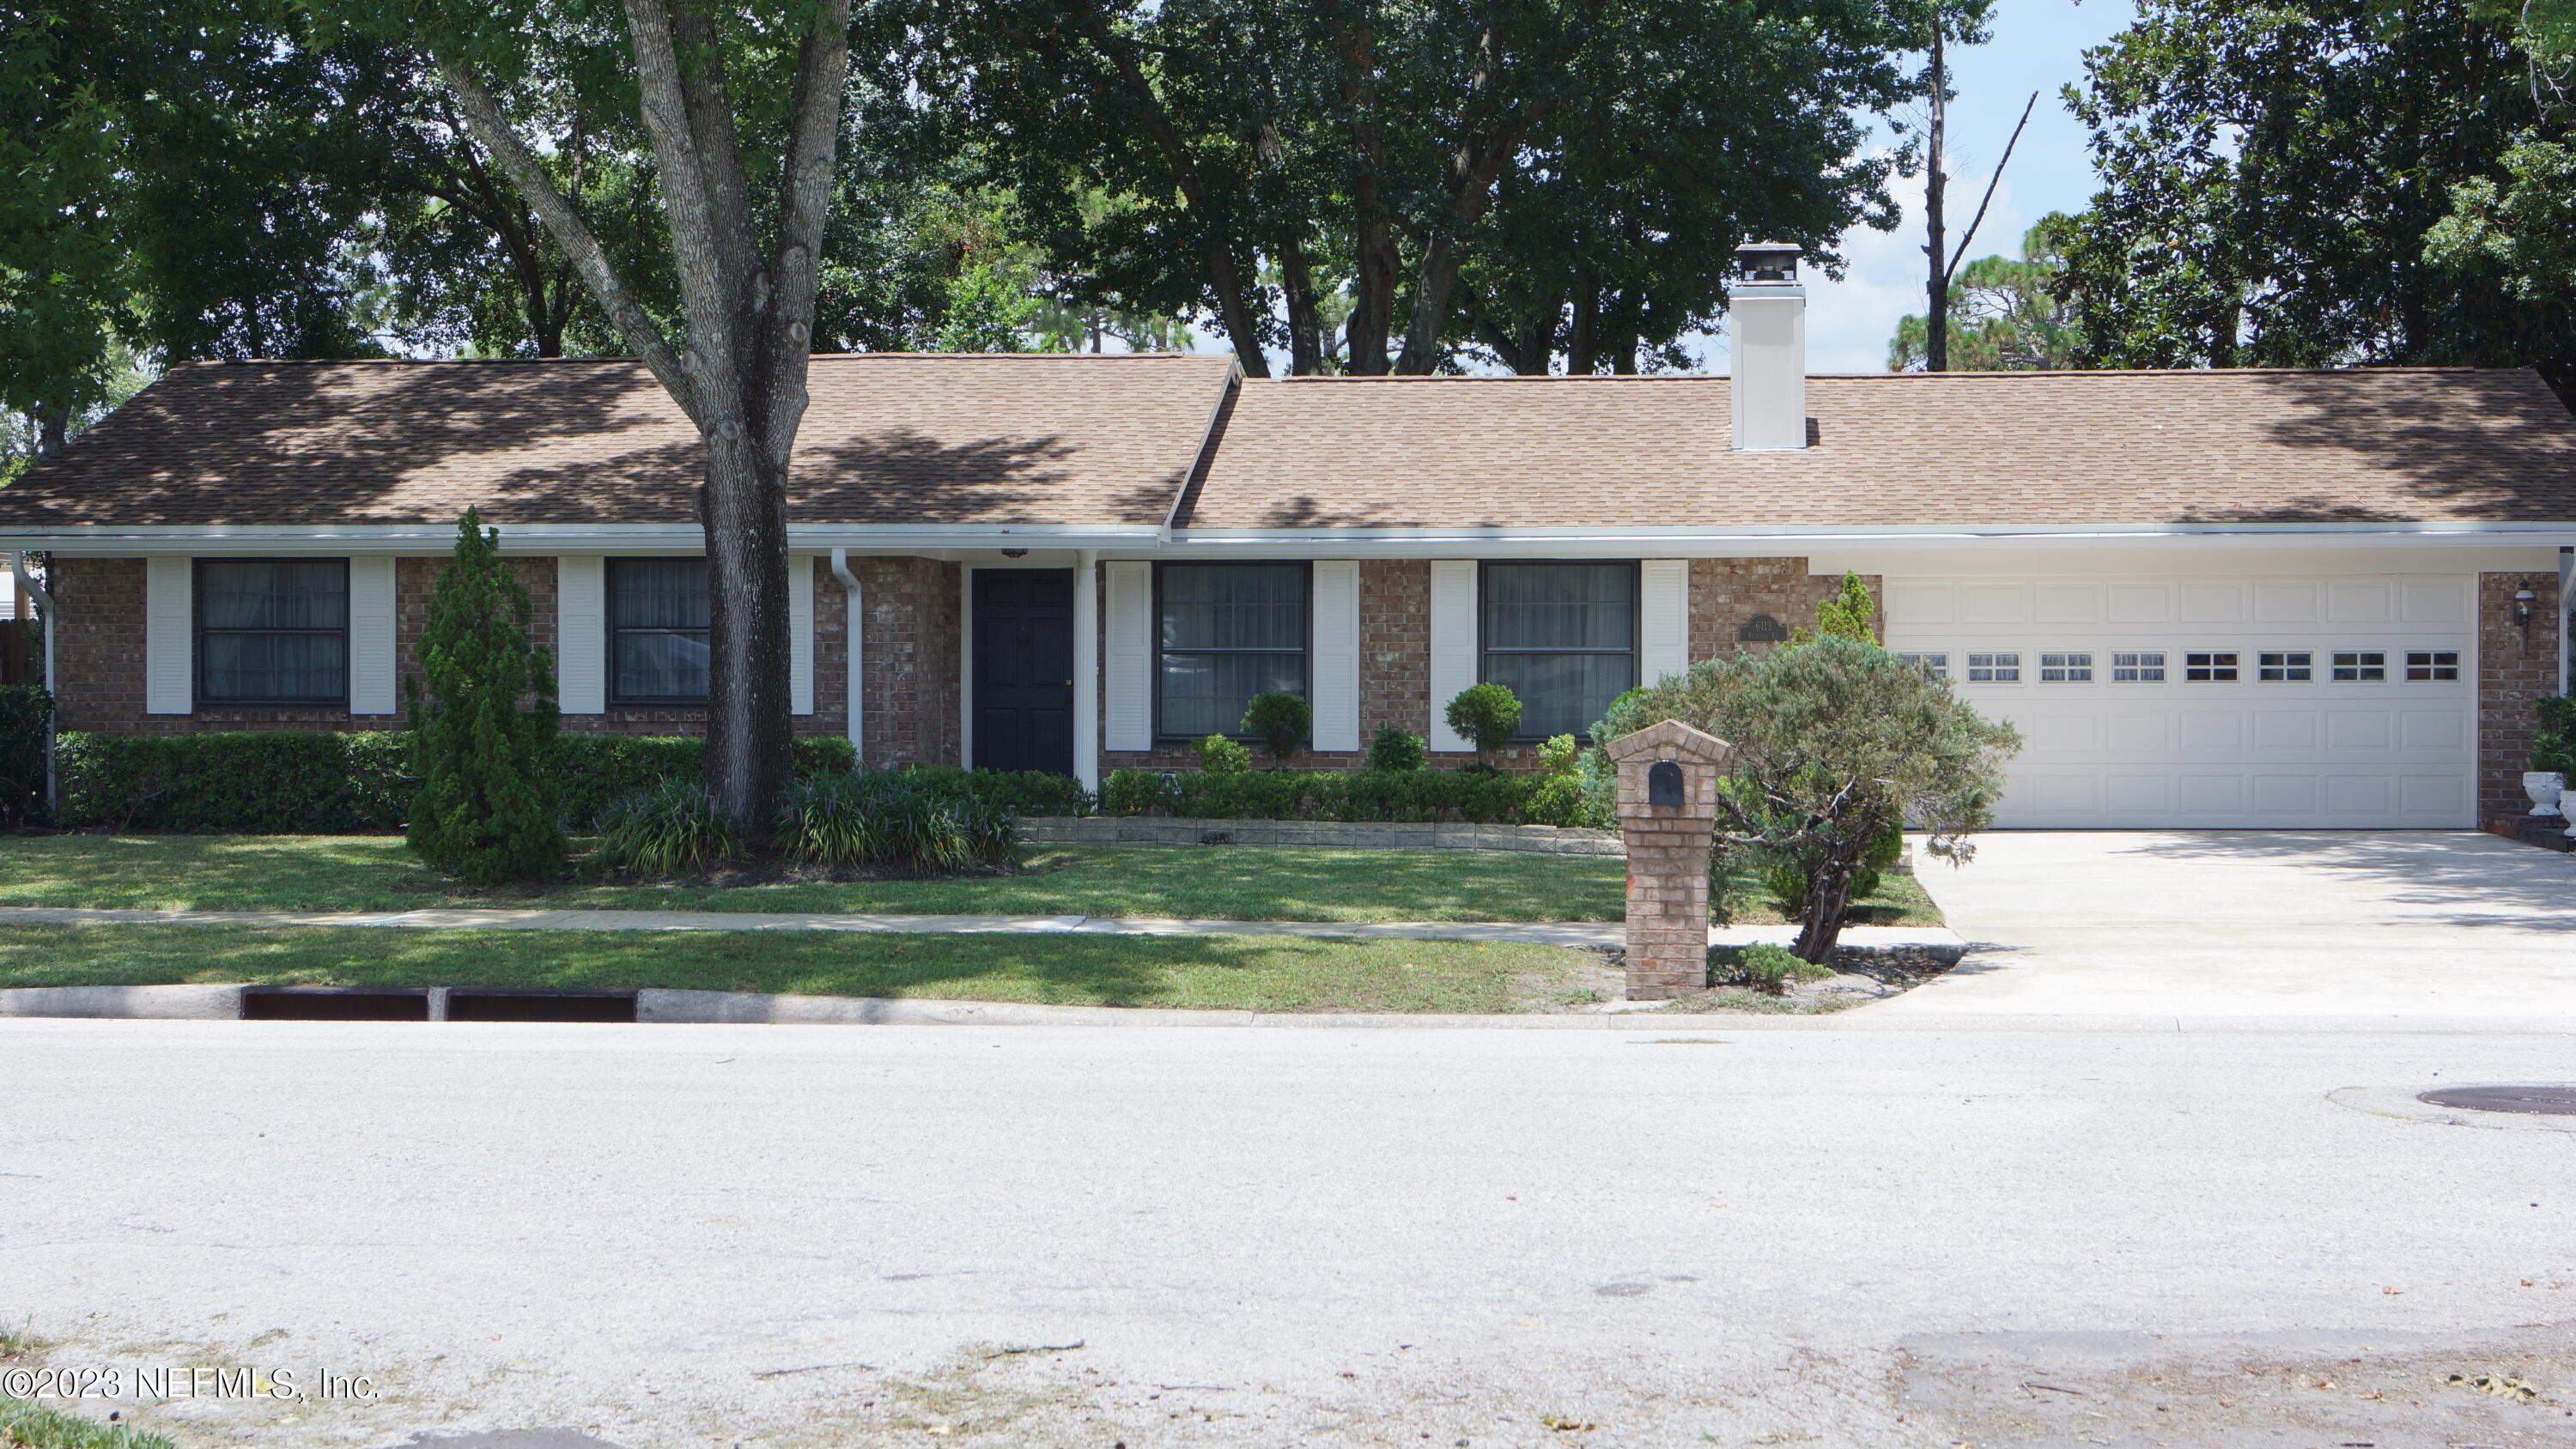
(655, 1006)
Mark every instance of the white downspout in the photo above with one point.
(2566, 602)
(1086, 668)
(854, 645)
(44, 597)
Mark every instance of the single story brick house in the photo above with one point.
(2239, 598)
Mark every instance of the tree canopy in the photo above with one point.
(1407, 186)
(2272, 177)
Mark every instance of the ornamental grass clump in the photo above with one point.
(889, 822)
(669, 829)
(483, 725)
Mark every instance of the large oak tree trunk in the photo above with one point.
(750, 735)
(747, 293)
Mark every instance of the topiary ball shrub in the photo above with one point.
(1280, 721)
(1394, 750)
(669, 829)
(1221, 756)
(1489, 715)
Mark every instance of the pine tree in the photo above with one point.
(1848, 613)
(483, 724)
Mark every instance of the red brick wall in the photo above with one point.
(1395, 644)
(2516, 665)
(99, 659)
(910, 639)
(1395, 669)
(1725, 594)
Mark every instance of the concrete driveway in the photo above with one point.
(2375, 927)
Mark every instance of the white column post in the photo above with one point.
(1086, 668)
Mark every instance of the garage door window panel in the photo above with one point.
(2210, 666)
(1999, 667)
(2138, 667)
(2425, 666)
(2291, 666)
(2065, 668)
(2359, 666)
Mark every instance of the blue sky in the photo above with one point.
(2038, 45)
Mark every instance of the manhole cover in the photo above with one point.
(2537, 1101)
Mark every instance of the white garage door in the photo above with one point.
(2276, 701)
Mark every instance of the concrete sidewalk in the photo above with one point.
(1576, 935)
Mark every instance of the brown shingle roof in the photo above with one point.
(1086, 439)
(1954, 448)
(886, 439)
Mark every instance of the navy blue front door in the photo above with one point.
(1024, 669)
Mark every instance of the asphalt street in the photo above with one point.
(686, 1236)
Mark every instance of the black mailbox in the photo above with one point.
(1664, 784)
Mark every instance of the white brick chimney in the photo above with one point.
(1767, 316)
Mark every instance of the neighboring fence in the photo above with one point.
(22, 652)
(1362, 835)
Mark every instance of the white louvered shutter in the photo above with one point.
(1335, 688)
(800, 634)
(1453, 645)
(1128, 669)
(581, 633)
(169, 627)
(1663, 618)
(375, 662)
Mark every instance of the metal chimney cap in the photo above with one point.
(1768, 261)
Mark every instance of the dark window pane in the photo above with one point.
(273, 593)
(1560, 606)
(276, 666)
(661, 593)
(661, 664)
(658, 612)
(1204, 694)
(1562, 694)
(1234, 606)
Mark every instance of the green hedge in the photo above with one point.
(26, 722)
(1021, 792)
(1465, 796)
(299, 782)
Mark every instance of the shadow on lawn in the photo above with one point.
(1280, 973)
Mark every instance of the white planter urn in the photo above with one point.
(2567, 807)
(2546, 788)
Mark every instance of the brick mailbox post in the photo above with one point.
(1668, 776)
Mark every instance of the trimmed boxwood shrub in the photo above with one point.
(324, 782)
(2553, 745)
(265, 782)
(1462, 796)
(1020, 792)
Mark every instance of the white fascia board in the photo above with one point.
(1758, 543)
(1151, 540)
(551, 538)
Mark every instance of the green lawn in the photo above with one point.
(25, 1424)
(374, 873)
(1242, 972)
